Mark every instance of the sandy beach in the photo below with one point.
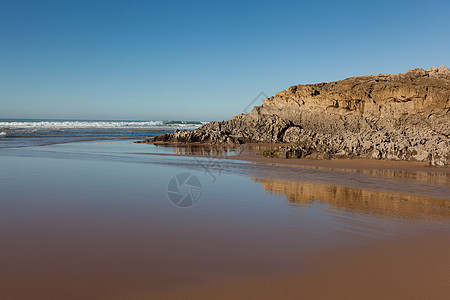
(415, 267)
(93, 220)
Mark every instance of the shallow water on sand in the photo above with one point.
(94, 219)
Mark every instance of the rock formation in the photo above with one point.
(385, 116)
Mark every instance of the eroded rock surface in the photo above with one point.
(385, 116)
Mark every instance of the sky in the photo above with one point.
(200, 60)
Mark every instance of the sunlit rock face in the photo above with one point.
(386, 116)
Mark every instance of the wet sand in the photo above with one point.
(252, 152)
(415, 266)
(93, 221)
(410, 268)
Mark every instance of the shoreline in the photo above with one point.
(335, 163)
(399, 181)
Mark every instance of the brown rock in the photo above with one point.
(385, 116)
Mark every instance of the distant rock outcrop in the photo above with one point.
(385, 116)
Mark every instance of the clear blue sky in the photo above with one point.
(202, 60)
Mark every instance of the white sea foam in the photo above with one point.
(3, 134)
(47, 124)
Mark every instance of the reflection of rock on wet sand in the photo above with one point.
(214, 150)
(368, 201)
(440, 178)
(197, 149)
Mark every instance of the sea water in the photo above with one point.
(37, 132)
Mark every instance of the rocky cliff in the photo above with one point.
(385, 116)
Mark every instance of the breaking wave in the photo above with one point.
(66, 124)
(28, 132)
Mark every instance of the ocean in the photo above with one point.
(39, 132)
